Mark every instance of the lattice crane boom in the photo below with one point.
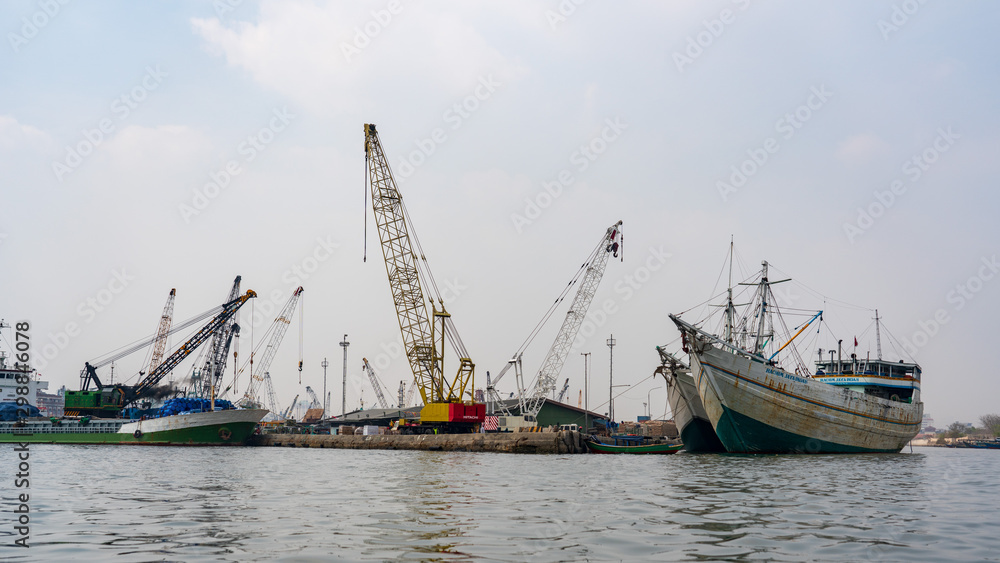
(277, 332)
(409, 274)
(218, 351)
(411, 393)
(130, 394)
(89, 374)
(272, 403)
(545, 382)
(563, 392)
(160, 345)
(313, 399)
(375, 384)
(288, 412)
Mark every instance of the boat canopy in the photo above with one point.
(881, 368)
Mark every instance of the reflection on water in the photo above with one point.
(92, 503)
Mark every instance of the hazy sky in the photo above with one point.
(150, 146)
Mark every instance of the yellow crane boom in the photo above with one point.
(423, 321)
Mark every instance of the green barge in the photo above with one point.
(231, 427)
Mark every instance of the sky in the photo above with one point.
(852, 145)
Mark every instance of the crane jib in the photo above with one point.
(130, 394)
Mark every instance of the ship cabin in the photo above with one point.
(895, 381)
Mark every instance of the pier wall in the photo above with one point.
(562, 442)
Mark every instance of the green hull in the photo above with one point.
(699, 437)
(661, 449)
(210, 435)
(220, 428)
(742, 434)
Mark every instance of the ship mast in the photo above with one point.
(758, 347)
(730, 310)
(878, 336)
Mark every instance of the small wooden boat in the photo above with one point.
(632, 445)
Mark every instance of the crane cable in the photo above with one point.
(364, 257)
(302, 324)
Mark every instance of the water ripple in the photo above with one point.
(92, 503)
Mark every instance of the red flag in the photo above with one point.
(855, 341)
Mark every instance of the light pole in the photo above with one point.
(326, 400)
(586, 392)
(343, 395)
(611, 378)
(649, 413)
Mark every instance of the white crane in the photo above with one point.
(313, 399)
(272, 404)
(277, 332)
(589, 275)
(375, 384)
(563, 392)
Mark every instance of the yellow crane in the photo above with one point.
(423, 321)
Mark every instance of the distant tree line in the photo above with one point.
(991, 422)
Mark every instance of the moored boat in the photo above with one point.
(632, 445)
(692, 421)
(230, 427)
(757, 406)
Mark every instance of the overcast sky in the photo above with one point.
(150, 146)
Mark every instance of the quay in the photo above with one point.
(561, 442)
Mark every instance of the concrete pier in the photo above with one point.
(562, 442)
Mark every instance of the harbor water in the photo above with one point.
(100, 503)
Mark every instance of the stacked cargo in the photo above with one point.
(188, 406)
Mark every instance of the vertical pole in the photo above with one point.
(611, 381)
(586, 392)
(326, 398)
(343, 396)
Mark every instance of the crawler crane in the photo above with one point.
(423, 320)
